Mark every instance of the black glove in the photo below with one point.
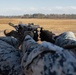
(46, 35)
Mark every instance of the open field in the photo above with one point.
(55, 25)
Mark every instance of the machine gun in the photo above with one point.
(45, 35)
(21, 28)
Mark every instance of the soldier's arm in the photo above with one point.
(29, 44)
(60, 59)
(10, 40)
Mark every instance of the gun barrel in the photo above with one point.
(11, 24)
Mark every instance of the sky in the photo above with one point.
(21, 7)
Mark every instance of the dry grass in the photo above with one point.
(55, 25)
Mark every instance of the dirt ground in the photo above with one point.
(55, 25)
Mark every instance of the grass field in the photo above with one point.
(55, 25)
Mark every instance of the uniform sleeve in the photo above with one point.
(10, 40)
(29, 44)
(46, 59)
(10, 59)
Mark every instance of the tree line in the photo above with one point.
(44, 16)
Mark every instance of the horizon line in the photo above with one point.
(41, 13)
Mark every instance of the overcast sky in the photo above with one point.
(20, 7)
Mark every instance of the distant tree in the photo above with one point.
(47, 16)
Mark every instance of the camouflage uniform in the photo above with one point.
(66, 38)
(46, 59)
(10, 59)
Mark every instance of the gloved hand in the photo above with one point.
(46, 35)
(9, 32)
